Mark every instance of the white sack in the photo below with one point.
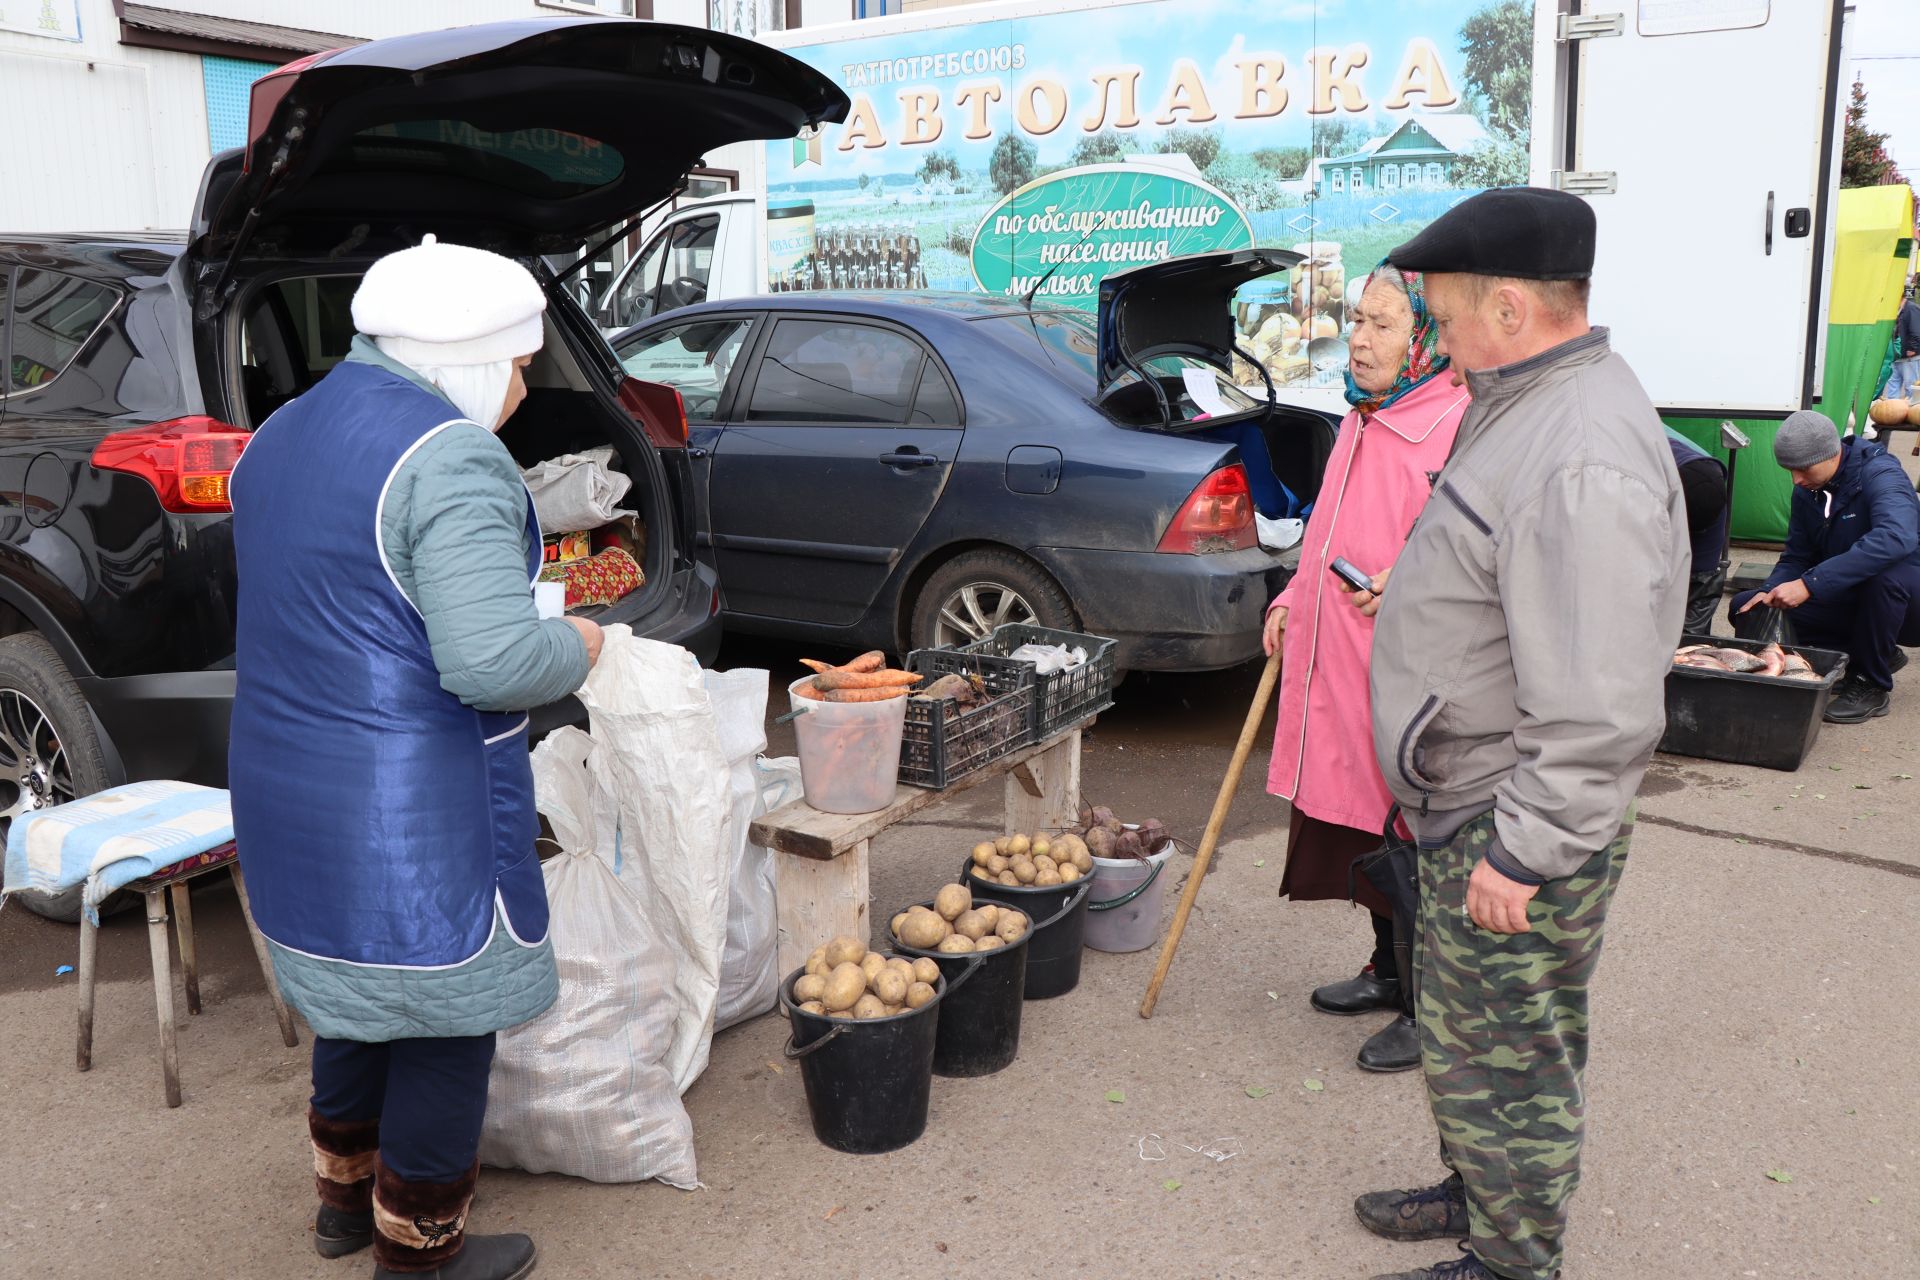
(577, 492)
(584, 1088)
(648, 708)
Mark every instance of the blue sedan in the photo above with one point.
(906, 470)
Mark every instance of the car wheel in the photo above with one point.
(969, 596)
(49, 752)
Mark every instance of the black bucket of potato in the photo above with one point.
(1059, 916)
(868, 1080)
(979, 1031)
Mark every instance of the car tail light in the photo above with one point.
(188, 461)
(659, 410)
(1218, 517)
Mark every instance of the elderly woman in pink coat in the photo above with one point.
(1405, 414)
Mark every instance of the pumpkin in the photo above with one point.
(1889, 413)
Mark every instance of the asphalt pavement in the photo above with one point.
(1752, 1089)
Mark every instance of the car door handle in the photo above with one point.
(909, 458)
(695, 451)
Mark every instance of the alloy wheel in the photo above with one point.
(974, 610)
(33, 761)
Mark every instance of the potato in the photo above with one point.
(1008, 878)
(810, 986)
(923, 929)
(845, 985)
(890, 986)
(870, 1006)
(814, 1007)
(894, 924)
(952, 900)
(990, 912)
(1047, 879)
(1024, 871)
(1000, 846)
(970, 924)
(926, 971)
(988, 943)
(982, 853)
(919, 994)
(1070, 845)
(1083, 859)
(902, 966)
(1045, 863)
(892, 1009)
(997, 864)
(1013, 926)
(1018, 846)
(1042, 848)
(817, 963)
(873, 964)
(957, 944)
(1068, 873)
(846, 950)
(845, 1015)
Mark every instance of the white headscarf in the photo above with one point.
(455, 315)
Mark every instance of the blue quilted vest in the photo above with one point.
(379, 819)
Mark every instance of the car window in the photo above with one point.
(934, 405)
(674, 273)
(835, 371)
(53, 315)
(694, 359)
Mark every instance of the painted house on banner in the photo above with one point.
(1421, 153)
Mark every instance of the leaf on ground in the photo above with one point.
(1116, 1095)
(1862, 786)
(1171, 1184)
(836, 1209)
(1312, 1086)
(1740, 840)
(1834, 767)
(1273, 995)
(1258, 1091)
(1819, 795)
(1873, 1199)
(1777, 808)
(1261, 863)
(1780, 1175)
(1903, 777)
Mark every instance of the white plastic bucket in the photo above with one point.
(849, 751)
(1131, 926)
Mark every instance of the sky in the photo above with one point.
(1883, 47)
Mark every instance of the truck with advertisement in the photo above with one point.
(1031, 149)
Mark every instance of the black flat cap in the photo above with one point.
(1529, 233)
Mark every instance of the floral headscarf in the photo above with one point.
(1422, 360)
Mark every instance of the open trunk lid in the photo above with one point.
(1176, 313)
(523, 137)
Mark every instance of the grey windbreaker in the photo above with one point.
(1520, 655)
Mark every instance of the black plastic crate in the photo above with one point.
(1744, 718)
(1064, 698)
(943, 743)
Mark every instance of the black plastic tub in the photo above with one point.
(868, 1082)
(1748, 719)
(980, 1017)
(1059, 915)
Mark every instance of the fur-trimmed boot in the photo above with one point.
(420, 1229)
(343, 1154)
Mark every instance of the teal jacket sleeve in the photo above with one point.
(456, 537)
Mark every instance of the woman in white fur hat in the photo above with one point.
(383, 801)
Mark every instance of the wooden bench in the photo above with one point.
(821, 882)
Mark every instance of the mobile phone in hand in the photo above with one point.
(1345, 570)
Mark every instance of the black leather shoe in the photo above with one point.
(337, 1233)
(1363, 994)
(1429, 1213)
(1898, 660)
(1394, 1047)
(1857, 701)
(508, 1257)
(1464, 1267)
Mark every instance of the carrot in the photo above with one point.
(815, 665)
(843, 679)
(872, 660)
(881, 694)
(808, 690)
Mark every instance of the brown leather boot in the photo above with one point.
(420, 1230)
(1429, 1213)
(343, 1155)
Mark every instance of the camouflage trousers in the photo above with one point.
(1503, 1042)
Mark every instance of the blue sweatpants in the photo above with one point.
(430, 1096)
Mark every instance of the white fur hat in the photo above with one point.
(448, 304)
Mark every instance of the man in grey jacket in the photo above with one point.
(1519, 662)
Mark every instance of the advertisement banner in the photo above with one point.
(1038, 154)
(55, 19)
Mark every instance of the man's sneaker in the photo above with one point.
(1466, 1267)
(1363, 994)
(1856, 701)
(1430, 1213)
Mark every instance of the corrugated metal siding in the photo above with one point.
(78, 146)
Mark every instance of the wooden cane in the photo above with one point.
(1221, 803)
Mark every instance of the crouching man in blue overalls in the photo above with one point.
(388, 646)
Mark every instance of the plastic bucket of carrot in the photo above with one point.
(848, 721)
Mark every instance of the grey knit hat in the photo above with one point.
(1805, 438)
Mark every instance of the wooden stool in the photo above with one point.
(154, 889)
